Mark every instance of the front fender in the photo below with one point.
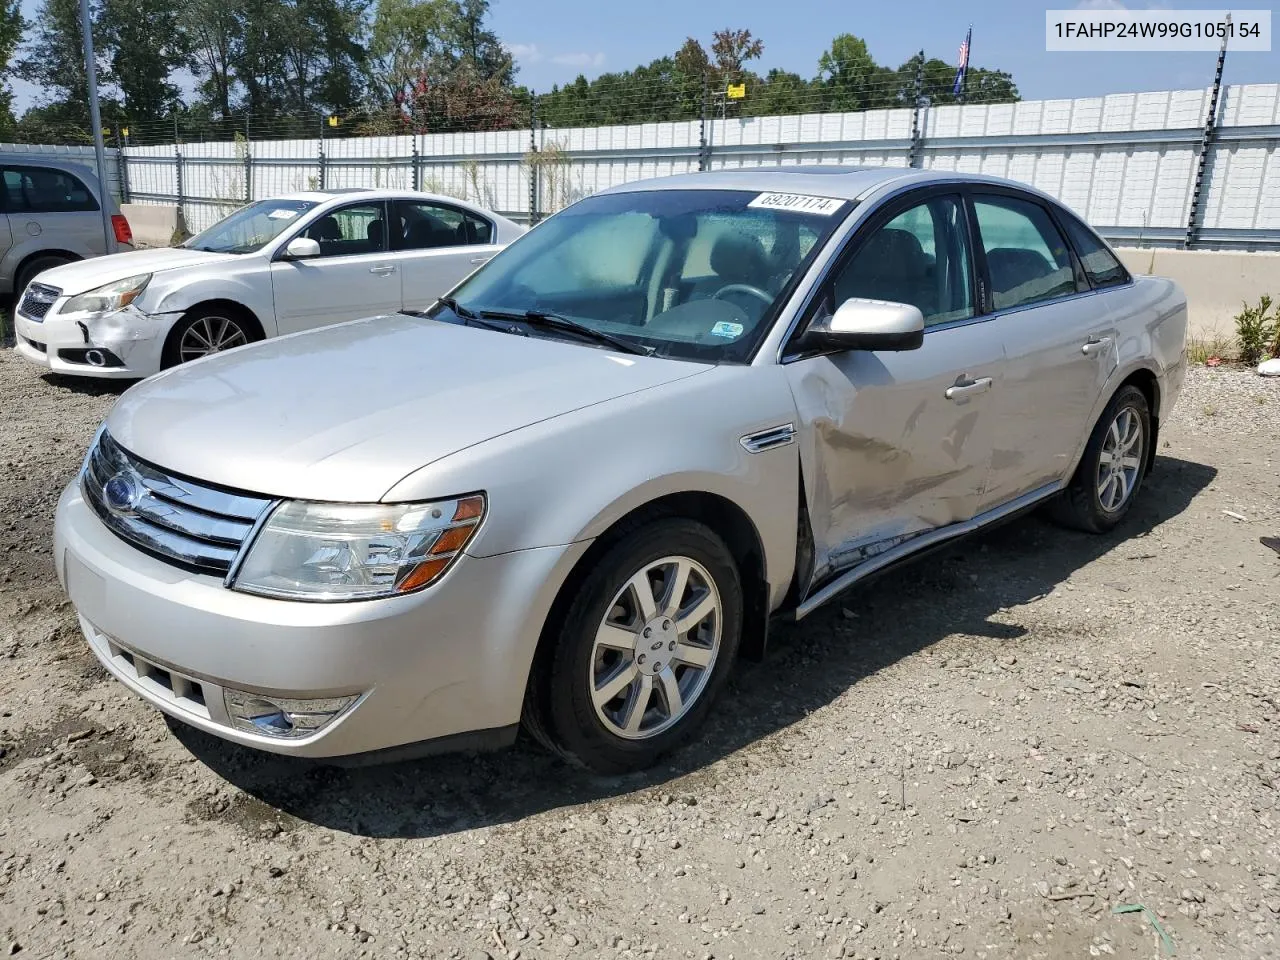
(570, 478)
(178, 294)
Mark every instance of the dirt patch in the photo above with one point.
(982, 756)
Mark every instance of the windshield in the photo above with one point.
(692, 274)
(251, 227)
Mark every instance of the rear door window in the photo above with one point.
(44, 190)
(1100, 265)
(1027, 257)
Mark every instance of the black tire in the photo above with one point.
(37, 266)
(1080, 506)
(559, 711)
(212, 317)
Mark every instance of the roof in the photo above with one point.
(848, 183)
(845, 183)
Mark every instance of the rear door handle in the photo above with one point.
(968, 388)
(1096, 345)
(382, 271)
(481, 259)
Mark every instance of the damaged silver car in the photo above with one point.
(573, 491)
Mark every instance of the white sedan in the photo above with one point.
(271, 268)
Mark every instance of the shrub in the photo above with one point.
(1257, 330)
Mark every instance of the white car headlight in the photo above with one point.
(339, 551)
(113, 296)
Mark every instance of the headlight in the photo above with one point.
(338, 551)
(114, 296)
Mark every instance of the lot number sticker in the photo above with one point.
(798, 202)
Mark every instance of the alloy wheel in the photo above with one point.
(208, 335)
(1120, 460)
(656, 648)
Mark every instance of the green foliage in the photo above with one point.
(1257, 330)
(11, 26)
(392, 66)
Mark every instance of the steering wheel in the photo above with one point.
(756, 292)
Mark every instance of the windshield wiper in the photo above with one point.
(468, 317)
(540, 319)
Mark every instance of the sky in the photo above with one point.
(556, 40)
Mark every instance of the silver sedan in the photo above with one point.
(573, 492)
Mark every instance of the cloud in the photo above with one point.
(581, 60)
(524, 52)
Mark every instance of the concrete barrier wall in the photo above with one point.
(1215, 282)
(153, 225)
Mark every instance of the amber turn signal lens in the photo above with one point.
(451, 540)
(423, 574)
(472, 508)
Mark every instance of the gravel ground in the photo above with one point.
(983, 755)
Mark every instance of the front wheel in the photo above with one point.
(204, 331)
(1113, 466)
(645, 646)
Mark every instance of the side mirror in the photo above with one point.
(302, 248)
(860, 324)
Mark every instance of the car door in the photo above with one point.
(894, 444)
(54, 207)
(436, 245)
(352, 277)
(1059, 341)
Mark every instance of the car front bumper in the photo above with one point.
(452, 659)
(136, 339)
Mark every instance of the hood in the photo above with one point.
(345, 412)
(83, 275)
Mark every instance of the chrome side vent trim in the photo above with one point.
(769, 439)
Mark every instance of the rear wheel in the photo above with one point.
(647, 643)
(33, 268)
(203, 331)
(1113, 466)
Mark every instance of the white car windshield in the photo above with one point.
(690, 274)
(251, 227)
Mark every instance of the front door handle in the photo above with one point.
(1096, 345)
(968, 388)
(383, 271)
(481, 259)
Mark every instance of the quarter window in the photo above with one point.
(920, 257)
(1027, 257)
(42, 190)
(1100, 264)
(350, 230)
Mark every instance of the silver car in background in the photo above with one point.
(50, 215)
(571, 493)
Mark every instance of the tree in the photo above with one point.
(407, 36)
(54, 61)
(474, 44)
(143, 46)
(11, 27)
(850, 79)
(731, 49)
(214, 33)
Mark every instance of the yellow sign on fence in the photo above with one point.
(736, 91)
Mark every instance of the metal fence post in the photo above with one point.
(1195, 214)
(915, 156)
(321, 157)
(122, 169)
(248, 163)
(704, 145)
(177, 159)
(534, 174)
(416, 160)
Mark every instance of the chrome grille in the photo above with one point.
(184, 522)
(37, 300)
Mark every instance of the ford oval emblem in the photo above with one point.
(121, 494)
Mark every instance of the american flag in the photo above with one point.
(963, 69)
